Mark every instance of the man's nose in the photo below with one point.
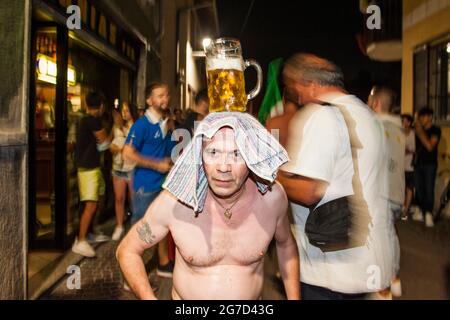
(224, 165)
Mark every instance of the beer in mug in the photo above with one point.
(225, 74)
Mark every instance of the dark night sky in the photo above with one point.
(326, 28)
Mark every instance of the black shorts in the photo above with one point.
(409, 179)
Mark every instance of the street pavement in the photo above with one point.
(425, 269)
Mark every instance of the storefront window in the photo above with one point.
(438, 88)
(432, 78)
(58, 104)
(44, 128)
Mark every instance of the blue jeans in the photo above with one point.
(424, 178)
(141, 202)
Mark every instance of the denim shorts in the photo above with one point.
(141, 202)
(125, 175)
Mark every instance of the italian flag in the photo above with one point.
(272, 104)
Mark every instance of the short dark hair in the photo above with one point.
(94, 100)
(407, 117)
(202, 95)
(426, 111)
(386, 96)
(151, 87)
(308, 68)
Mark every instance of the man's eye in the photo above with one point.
(237, 154)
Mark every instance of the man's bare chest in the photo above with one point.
(209, 241)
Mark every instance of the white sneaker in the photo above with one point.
(97, 237)
(417, 215)
(429, 220)
(117, 234)
(83, 248)
(396, 288)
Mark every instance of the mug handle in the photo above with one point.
(257, 89)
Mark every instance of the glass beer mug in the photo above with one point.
(225, 73)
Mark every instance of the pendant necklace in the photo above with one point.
(228, 213)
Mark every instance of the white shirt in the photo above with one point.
(120, 136)
(411, 147)
(319, 147)
(154, 119)
(395, 142)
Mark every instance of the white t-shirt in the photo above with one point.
(120, 136)
(395, 142)
(411, 146)
(319, 148)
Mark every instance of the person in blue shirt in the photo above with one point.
(149, 146)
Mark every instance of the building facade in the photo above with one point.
(425, 65)
(120, 47)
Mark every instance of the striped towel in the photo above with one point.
(261, 151)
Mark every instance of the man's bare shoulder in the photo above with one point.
(278, 191)
(167, 197)
(175, 206)
(276, 197)
(277, 122)
(164, 204)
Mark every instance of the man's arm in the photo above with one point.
(300, 189)
(428, 143)
(129, 153)
(287, 252)
(146, 233)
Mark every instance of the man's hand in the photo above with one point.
(428, 142)
(129, 153)
(418, 128)
(164, 166)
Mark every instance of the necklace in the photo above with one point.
(228, 213)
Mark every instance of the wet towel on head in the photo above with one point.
(260, 150)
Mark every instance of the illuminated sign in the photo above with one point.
(47, 70)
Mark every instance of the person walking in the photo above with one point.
(91, 140)
(149, 146)
(122, 171)
(427, 139)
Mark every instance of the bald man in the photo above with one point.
(381, 100)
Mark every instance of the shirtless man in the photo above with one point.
(281, 123)
(220, 252)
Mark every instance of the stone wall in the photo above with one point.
(14, 65)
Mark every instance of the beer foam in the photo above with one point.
(235, 63)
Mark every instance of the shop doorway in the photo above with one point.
(48, 136)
